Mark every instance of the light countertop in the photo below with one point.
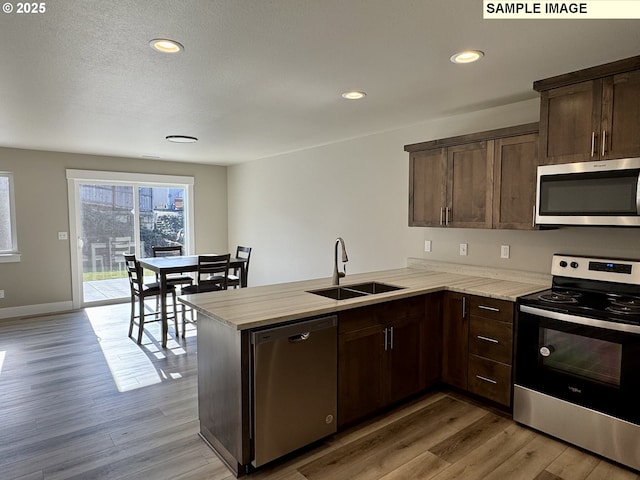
(246, 308)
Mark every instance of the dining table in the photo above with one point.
(163, 266)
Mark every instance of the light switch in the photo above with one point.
(504, 251)
(463, 249)
(427, 245)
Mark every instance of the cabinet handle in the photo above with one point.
(464, 307)
(391, 337)
(441, 215)
(486, 307)
(604, 142)
(485, 379)
(386, 337)
(533, 217)
(446, 219)
(487, 339)
(593, 144)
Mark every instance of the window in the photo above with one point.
(8, 242)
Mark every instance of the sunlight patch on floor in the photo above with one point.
(2, 355)
(131, 365)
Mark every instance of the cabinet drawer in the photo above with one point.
(501, 310)
(490, 379)
(491, 339)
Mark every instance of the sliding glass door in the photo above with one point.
(107, 232)
(117, 217)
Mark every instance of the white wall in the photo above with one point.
(290, 209)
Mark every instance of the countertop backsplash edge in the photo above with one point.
(479, 271)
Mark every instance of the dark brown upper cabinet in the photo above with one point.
(481, 180)
(591, 114)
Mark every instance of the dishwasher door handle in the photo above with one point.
(300, 337)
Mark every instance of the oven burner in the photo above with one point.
(560, 296)
(625, 305)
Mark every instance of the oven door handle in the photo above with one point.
(638, 194)
(590, 322)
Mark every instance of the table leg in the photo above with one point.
(163, 309)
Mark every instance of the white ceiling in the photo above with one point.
(262, 77)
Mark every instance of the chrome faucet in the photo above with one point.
(336, 274)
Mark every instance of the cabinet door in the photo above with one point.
(514, 188)
(455, 339)
(620, 127)
(432, 337)
(405, 363)
(427, 181)
(570, 123)
(470, 185)
(360, 374)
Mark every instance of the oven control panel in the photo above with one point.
(605, 269)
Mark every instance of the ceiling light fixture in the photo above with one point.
(467, 56)
(354, 95)
(181, 139)
(165, 45)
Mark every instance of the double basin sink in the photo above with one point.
(354, 291)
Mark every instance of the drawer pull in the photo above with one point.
(485, 379)
(487, 339)
(486, 307)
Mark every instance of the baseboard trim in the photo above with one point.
(30, 310)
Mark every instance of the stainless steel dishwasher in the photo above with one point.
(294, 386)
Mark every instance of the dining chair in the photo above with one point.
(120, 246)
(212, 274)
(139, 292)
(173, 250)
(233, 279)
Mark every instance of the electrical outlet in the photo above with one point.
(1, 293)
(504, 251)
(463, 249)
(63, 236)
(427, 245)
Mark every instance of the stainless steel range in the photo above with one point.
(578, 357)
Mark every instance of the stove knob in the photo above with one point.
(546, 350)
(563, 264)
(574, 264)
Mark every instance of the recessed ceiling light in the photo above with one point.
(467, 56)
(354, 95)
(181, 139)
(165, 45)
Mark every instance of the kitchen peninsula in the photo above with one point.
(226, 321)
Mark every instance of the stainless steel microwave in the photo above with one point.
(589, 193)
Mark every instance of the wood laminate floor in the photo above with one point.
(80, 400)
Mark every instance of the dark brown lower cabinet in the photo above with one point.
(360, 368)
(386, 353)
(477, 345)
(455, 339)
